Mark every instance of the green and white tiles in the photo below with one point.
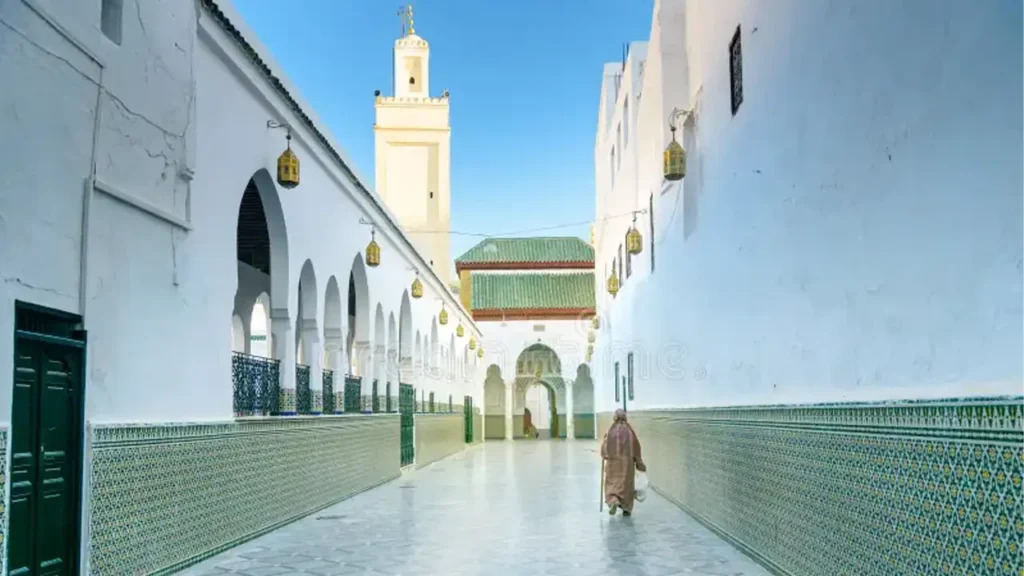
(924, 488)
(165, 496)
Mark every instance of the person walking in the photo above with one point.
(621, 453)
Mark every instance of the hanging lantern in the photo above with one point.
(634, 240)
(460, 332)
(480, 353)
(590, 349)
(596, 323)
(472, 343)
(591, 337)
(442, 318)
(373, 250)
(417, 288)
(674, 159)
(589, 356)
(288, 166)
(613, 284)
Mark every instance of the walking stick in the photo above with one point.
(600, 507)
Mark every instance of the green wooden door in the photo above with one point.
(407, 406)
(45, 456)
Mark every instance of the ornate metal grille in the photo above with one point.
(329, 407)
(407, 405)
(431, 405)
(467, 407)
(387, 397)
(450, 407)
(374, 398)
(353, 390)
(736, 71)
(303, 397)
(256, 384)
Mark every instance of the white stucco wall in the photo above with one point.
(160, 281)
(853, 233)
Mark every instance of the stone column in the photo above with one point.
(313, 352)
(284, 352)
(335, 360)
(508, 409)
(570, 421)
(364, 358)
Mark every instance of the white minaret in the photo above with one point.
(413, 157)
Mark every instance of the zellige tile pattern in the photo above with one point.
(923, 488)
(163, 496)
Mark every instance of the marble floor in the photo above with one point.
(503, 508)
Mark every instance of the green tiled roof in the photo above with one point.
(538, 290)
(513, 250)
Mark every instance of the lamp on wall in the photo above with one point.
(613, 284)
(634, 240)
(591, 337)
(417, 286)
(372, 249)
(674, 157)
(442, 318)
(460, 332)
(480, 352)
(596, 322)
(472, 343)
(287, 162)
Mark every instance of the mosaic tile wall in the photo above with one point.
(3, 500)
(923, 488)
(166, 496)
(438, 436)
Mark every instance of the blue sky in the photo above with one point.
(524, 78)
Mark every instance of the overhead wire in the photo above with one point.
(528, 230)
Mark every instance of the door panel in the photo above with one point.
(24, 427)
(45, 459)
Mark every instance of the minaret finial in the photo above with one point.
(408, 20)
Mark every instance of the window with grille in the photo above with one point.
(110, 19)
(736, 71)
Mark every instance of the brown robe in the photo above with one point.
(621, 452)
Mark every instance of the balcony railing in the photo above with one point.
(329, 404)
(303, 396)
(256, 382)
(353, 392)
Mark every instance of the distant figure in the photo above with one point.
(621, 452)
(529, 430)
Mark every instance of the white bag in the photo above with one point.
(641, 486)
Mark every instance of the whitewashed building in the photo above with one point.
(143, 225)
(820, 341)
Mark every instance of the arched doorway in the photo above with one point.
(261, 248)
(539, 365)
(494, 404)
(584, 420)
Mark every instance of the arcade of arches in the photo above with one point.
(566, 402)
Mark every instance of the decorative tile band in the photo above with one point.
(166, 496)
(868, 489)
(438, 436)
(3, 500)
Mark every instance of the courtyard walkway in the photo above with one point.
(504, 508)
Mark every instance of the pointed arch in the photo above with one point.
(357, 297)
(332, 325)
(405, 330)
(391, 370)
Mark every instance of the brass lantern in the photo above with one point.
(288, 166)
(591, 337)
(613, 284)
(589, 356)
(634, 240)
(442, 318)
(373, 251)
(590, 349)
(480, 352)
(674, 160)
(596, 323)
(472, 343)
(460, 332)
(417, 288)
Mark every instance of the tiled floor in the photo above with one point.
(505, 508)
